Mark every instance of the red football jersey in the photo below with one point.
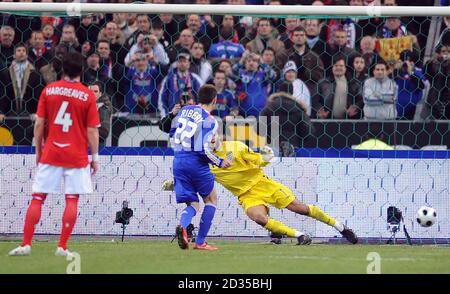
(69, 109)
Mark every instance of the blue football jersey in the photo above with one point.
(192, 131)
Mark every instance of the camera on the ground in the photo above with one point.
(123, 216)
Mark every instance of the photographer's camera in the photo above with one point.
(123, 216)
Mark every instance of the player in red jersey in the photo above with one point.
(67, 114)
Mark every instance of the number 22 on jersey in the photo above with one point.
(184, 132)
(63, 117)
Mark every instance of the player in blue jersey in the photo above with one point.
(192, 133)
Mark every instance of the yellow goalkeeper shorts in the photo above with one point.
(267, 192)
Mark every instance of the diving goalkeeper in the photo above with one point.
(255, 192)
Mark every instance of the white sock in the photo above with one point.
(338, 226)
(298, 234)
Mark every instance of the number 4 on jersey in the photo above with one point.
(63, 118)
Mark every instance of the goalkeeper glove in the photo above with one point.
(168, 185)
(267, 153)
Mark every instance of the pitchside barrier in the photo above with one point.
(356, 187)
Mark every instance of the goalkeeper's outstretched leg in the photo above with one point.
(318, 214)
(259, 215)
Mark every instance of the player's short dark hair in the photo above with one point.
(206, 94)
(73, 64)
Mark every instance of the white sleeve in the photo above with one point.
(160, 98)
(206, 71)
(130, 54)
(160, 54)
(209, 148)
(199, 79)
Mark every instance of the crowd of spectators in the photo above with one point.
(147, 64)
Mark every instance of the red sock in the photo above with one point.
(69, 219)
(32, 218)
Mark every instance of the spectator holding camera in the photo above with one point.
(165, 124)
(142, 95)
(143, 27)
(179, 82)
(411, 81)
(148, 45)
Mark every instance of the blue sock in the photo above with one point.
(205, 223)
(186, 216)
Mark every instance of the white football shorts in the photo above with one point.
(76, 180)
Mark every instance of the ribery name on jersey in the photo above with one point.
(68, 92)
(194, 114)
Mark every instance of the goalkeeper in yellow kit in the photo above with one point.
(255, 191)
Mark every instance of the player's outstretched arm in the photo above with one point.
(39, 126)
(93, 138)
(256, 158)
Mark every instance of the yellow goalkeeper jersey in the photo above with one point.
(245, 170)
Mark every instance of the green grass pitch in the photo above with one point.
(161, 256)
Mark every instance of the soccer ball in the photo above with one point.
(426, 216)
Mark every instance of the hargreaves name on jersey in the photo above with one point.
(68, 92)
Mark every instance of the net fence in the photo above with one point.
(317, 87)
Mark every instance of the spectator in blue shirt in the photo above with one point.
(178, 83)
(252, 83)
(142, 95)
(411, 83)
(225, 49)
(226, 104)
